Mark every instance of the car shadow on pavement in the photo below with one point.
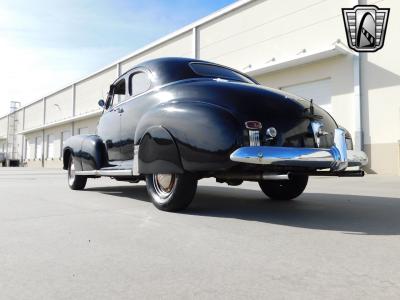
(352, 214)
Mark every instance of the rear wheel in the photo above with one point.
(284, 189)
(75, 182)
(171, 192)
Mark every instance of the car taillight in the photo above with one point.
(253, 125)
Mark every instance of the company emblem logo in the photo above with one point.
(365, 27)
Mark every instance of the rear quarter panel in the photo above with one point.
(205, 134)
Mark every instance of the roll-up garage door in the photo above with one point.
(39, 147)
(319, 91)
(50, 146)
(30, 148)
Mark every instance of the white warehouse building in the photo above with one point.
(297, 46)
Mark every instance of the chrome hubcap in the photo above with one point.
(71, 173)
(164, 184)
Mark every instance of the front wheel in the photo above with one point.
(284, 189)
(171, 192)
(75, 182)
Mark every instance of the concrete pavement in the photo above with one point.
(340, 239)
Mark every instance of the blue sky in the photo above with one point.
(45, 44)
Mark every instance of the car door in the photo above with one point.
(109, 127)
(134, 107)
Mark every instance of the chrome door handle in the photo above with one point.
(120, 110)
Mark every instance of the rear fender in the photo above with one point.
(158, 152)
(205, 134)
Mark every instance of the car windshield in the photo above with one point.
(210, 70)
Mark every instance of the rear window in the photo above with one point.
(210, 70)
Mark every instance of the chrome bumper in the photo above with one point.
(337, 158)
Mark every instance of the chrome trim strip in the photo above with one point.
(110, 173)
(87, 173)
(254, 137)
(135, 169)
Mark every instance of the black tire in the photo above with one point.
(171, 192)
(284, 189)
(75, 182)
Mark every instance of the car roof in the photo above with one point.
(163, 62)
(170, 69)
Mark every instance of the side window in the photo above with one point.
(138, 83)
(117, 93)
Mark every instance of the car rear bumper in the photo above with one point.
(337, 158)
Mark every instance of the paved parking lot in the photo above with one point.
(339, 240)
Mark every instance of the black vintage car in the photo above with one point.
(173, 121)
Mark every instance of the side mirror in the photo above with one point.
(102, 104)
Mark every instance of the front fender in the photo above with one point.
(72, 147)
(205, 134)
(89, 152)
